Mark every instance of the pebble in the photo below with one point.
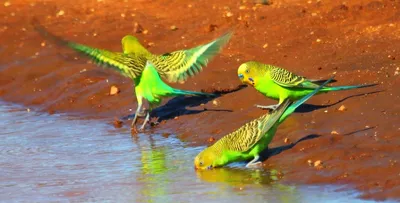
(7, 3)
(211, 139)
(286, 140)
(309, 162)
(318, 163)
(216, 102)
(342, 108)
(114, 90)
(173, 28)
(137, 28)
(60, 13)
(334, 132)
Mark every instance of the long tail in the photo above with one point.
(337, 88)
(296, 104)
(177, 92)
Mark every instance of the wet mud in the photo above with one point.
(358, 145)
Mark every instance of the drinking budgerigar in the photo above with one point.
(277, 83)
(251, 139)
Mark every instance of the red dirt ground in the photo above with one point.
(357, 39)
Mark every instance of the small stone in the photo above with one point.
(216, 102)
(334, 132)
(211, 139)
(265, 45)
(313, 14)
(318, 40)
(43, 44)
(114, 90)
(228, 14)
(117, 123)
(176, 118)
(60, 13)
(173, 28)
(310, 163)
(318, 163)
(151, 44)
(242, 7)
(137, 28)
(28, 110)
(286, 140)
(342, 108)
(145, 32)
(7, 3)
(211, 28)
(123, 15)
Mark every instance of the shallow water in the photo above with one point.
(60, 158)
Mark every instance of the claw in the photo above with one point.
(272, 107)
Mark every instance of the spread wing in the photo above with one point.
(177, 66)
(129, 65)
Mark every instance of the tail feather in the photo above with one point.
(296, 104)
(337, 88)
(178, 92)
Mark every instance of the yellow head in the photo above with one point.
(205, 160)
(249, 72)
(131, 44)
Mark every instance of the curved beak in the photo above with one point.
(242, 78)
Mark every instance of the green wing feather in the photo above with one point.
(286, 78)
(128, 65)
(244, 138)
(177, 66)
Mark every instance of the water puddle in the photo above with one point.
(60, 158)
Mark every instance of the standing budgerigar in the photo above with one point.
(279, 84)
(145, 68)
(251, 139)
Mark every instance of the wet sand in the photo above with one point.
(357, 40)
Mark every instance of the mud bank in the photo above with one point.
(356, 40)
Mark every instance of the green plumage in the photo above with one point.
(280, 84)
(251, 139)
(145, 68)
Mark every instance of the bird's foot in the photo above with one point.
(134, 130)
(257, 164)
(271, 107)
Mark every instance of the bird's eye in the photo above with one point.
(241, 76)
(247, 71)
(201, 163)
(209, 167)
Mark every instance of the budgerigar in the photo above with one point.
(251, 139)
(145, 68)
(279, 84)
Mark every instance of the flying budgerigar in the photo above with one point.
(147, 69)
(279, 84)
(251, 139)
